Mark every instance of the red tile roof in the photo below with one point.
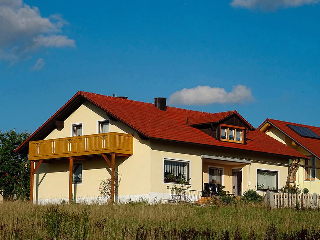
(311, 144)
(171, 124)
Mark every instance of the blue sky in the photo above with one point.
(261, 58)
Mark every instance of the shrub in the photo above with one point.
(290, 189)
(251, 196)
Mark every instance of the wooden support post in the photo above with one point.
(33, 170)
(31, 180)
(107, 160)
(70, 178)
(113, 163)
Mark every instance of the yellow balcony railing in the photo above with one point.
(83, 145)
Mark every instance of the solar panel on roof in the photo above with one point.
(304, 131)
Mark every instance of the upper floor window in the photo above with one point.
(76, 129)
(310, 171)
(231, 133)
(103, 126)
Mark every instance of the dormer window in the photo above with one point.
(231, 133)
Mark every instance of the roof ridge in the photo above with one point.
(190, 110)
(270, 119)
(184, 109)
(118, 98)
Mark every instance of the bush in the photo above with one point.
(228, 199)
(251, 196)
(305, 191)
(290, 189)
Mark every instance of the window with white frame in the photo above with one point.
(76, 129)
(77, 173)
(176, 171)
(104, 126)
(267, 180)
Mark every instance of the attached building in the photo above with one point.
(304, 139)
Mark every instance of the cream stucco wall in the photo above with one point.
(276, 134)
(51, 179)
(193, 153)
(314, 185)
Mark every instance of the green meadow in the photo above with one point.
(22, 220)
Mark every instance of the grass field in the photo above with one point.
(21, 220)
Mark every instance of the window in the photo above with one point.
(76, 130)
(267, 180)
(223, 134)
(176, 171)
(231, 133)
(103, 126)
(310, 172)
(215, 175)
(77, 173)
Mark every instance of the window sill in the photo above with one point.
(174, 182)
(77, 183)
(264, 190)
(231, 141)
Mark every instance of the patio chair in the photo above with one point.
(215, 190)
(206, 192)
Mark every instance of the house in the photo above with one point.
(304, 139)
(145, 149)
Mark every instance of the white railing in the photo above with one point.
(292, 200)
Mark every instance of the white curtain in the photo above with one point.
(267, 180)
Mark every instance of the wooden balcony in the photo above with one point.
(118, 143)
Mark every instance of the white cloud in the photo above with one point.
(23, 30)
(204, 95)
(271, 5)
(53, 41)
(39, 65)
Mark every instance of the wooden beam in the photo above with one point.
(31, 180)
(265, 127)
(122, 155)
(107, 160)
(37, 166)
(70, 178)
(113, 164)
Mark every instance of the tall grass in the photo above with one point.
(21, 220)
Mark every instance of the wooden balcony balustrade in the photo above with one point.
(119, 143)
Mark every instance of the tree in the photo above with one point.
(14, 167)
